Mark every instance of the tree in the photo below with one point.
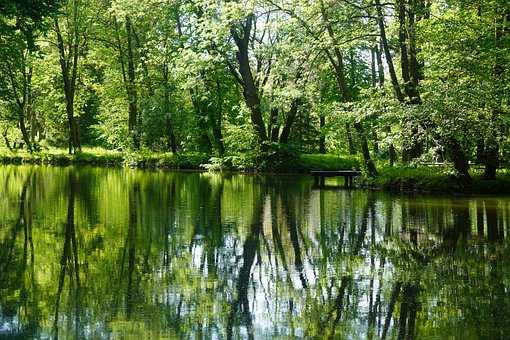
(21, 22)
(71, 34)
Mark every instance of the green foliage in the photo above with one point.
(416, 178)
(240, 162)
(102, 157)
(312, 71)
(284, 160)
(310, 162)
(25, 17)
(435, 179)
(165, 160)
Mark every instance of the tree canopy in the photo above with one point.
(400, 81)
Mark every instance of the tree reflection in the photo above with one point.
(69, 264)
(240, 309)
(93, 253)
(17, 271)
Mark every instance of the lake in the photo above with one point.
(91, 253)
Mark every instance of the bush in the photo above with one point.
(309, 162)
(282, 159)
(278, 158)
(191, 161)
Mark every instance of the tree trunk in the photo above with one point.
(131, 88)
(24, 132)
(250, 91)
(217, 134)
(72, 81)
(491, 143)
(414, 67)
(219, 142)
(373, 75)
(273, 127)
(409, 69)
(74, 142)
(172, 141)
(415, 74)
(6, 139)
(408, 51)
(33, 126)
(380, 67)
(289, 121)
(375, 141)
(365, 151)
(402, 39)
(491, 160)
(352, 73)
(392, 153)
(23, 102)
(373, 71)
(69, 67)
(387, 53)
(480, 152)
(338, 67)
(460, 161)
(350, 142)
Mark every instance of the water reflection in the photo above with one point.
(96, 253)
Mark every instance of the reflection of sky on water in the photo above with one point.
(8, 324)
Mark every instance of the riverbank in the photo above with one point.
(435, 180)
(398, 178)
(106, 158)
(298, 163)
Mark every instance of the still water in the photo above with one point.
(108, 253)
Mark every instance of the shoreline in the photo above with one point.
(411, 180)
(108, 159)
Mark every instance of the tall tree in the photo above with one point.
(241, 33)
(21, 22)
(71, 33)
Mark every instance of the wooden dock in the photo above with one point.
(348, 175)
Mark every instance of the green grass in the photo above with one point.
(299, 163)
(309, 162)
(102, 157)
(410, 178)
(435, 179)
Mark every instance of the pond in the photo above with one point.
(90, 253)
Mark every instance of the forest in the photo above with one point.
(409, 97)
(257, 84)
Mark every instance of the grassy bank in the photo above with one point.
(282, 162)
(435, 179)
(309, 162)
(155, 160)
(399, 178)
(102, 157)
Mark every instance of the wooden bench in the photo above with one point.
(348, 175)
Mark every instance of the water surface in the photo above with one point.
(107, 253)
